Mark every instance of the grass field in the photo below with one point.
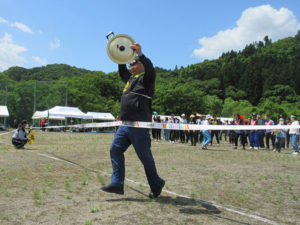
(38, 189)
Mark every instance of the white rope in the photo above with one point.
(174, 126)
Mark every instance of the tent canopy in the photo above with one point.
(44, 114)
(101, 116)
(70, 112)
(4, 111)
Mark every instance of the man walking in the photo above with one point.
(136, 105)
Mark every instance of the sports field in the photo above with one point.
(57, 180)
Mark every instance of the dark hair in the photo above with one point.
(238, 115)
(24, 122)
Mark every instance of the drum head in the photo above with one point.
(118, 49)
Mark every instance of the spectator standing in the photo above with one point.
(154, 131)
(172, 132)
(239, 133)
(177, 131)
(193, 135)
(260, 133)
(215, 133)
(269, 134)
(182, 132)
(253, 137)
(231, 134)
(158, 131)
(166, 131)
(280, 135)
(288, 123)
(294, 132)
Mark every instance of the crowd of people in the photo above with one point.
(272, 139)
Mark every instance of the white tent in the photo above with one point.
(70, 112)
(223, 119)
(38, 115)
(4, 111)
(101, 116)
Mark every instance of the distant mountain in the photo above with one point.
(49, 72)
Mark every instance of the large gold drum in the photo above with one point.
(118, 48)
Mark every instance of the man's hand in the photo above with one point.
(136, 47)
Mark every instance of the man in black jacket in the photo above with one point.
(136, 105)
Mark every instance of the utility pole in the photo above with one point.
(34, 98)
(66, 93)
(6, 95)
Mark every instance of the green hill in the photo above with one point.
(45, 73)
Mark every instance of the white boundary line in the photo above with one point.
(6, 133)
(259, 218)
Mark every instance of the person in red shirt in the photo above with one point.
(253, 136)
(43, 124)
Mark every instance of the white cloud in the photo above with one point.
(55, 44)
(23, 27)
(40, 61)
(10, 53)
(254, 24)
(2, 20)
(18, 25)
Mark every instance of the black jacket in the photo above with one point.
(136, 100)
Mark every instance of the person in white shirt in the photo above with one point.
(206, 133)
(294, 133)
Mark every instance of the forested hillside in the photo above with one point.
(264, 77)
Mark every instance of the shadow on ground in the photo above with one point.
(191, 206)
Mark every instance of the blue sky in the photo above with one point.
(35, 33)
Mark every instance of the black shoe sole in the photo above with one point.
(156, 194)
(113, 191)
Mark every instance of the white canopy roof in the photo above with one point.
(44, 114)
(4, 111)
(223, 119)
(101, 116)
(71, 112)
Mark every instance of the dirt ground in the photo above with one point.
(38, 188)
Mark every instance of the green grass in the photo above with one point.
(68, 196)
